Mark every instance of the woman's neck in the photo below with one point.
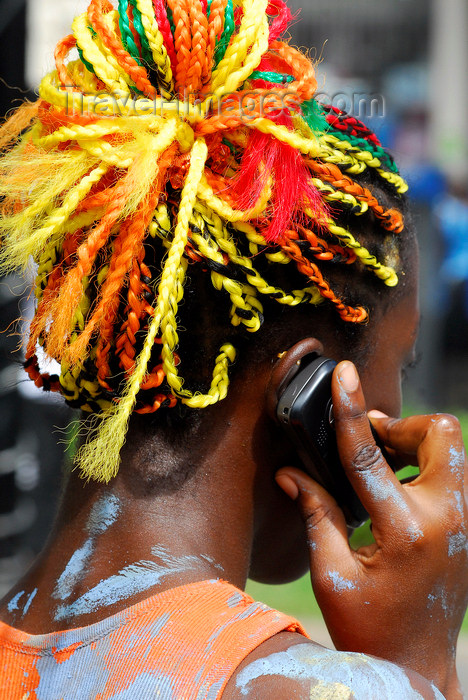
(109, 550)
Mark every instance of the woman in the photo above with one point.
(189, 204)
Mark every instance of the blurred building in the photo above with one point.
(364, 37)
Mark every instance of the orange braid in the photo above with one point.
(215, 30)
(41, 380)
(182, 43)
(137, 73)
(93, 201)
(101, 194)
(128, 243)
(18, 121)
(220, 184)
(128, 246)
(61, 52)
(54, 281)
(157, 403)
(52, 118)
(197, 68)
(70, 294)
(391, 219)
(306, 84)
(107, 319)
(137, 307)
(222, 122)
(322, 250)
(308, 268)
(41, 316)
(125, 343)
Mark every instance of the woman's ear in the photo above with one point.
(285, 368)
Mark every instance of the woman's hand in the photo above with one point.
(404, 597)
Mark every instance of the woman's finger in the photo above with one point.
(378, 488)
(436, 442)
(327, 534)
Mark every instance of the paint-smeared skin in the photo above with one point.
(457, 460)
(339, 583)
(74, 571)
(366, 677)
(440, 596)
(131, 580)
(29, 601)
(103, 514)
(383, 491)
(331, 691)
(13, 605)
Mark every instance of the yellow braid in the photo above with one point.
(251, 42)
(99, 458)
(55, 222)
(309, 147)
(81, 77)
(173, 274)
(53, 249)
(104, 70)
(156, 42)
(111, 21)
(221, 207)
(386, 274)
(76, 132)
(394, 179)
(330, 194)
(220, 384)
(370, 160)
(226, 244)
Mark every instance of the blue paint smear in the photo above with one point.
(29, 601)
(212, 692)
(366, 677)
(130, 581)
(437, 693)
(383, 490)
(90, 668)
(13, 604)
(150, 632)
(73, 571)
(103, 514)
(457, 544)
(235, 600)
(83, 675)
(159, 685)
(440, 594)
(457, 460)
(339, 583)
(244, 614)
(460, 502)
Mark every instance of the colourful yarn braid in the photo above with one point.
(186, 133)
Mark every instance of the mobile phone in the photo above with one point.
(305, 410)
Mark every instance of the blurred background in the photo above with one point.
(401, 66)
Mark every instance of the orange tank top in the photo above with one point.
(182, 644)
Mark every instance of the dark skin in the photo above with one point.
(233, 511)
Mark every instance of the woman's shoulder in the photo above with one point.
(288, 666)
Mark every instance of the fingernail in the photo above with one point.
(288, 486)
(376, 414)
(348, 377)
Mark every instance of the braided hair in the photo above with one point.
(184, 135)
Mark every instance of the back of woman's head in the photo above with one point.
(176, 182)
